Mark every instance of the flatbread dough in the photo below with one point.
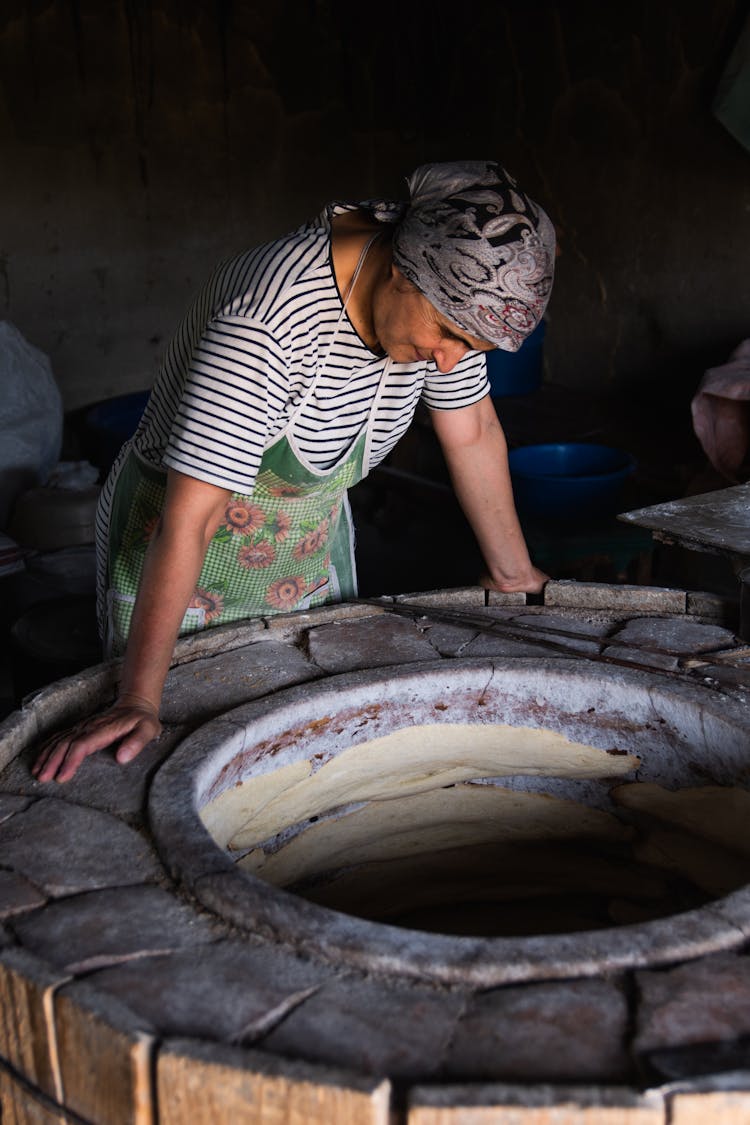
(407, 761)
(425, 822)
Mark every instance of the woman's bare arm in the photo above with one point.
(476, 453)
(192, 512)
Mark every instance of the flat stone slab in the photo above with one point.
(701, 1002)
(64, 848)
(17, 894)
(101, 782)
(642, 657)
(626, 599)
(675, 635)
(543, 1033)
(495, 644)
(227, 991)
(370, 643)
(206, 688)
(449, 640)
(560, 632)
(372, 1028)
(98, 928)
(527, 634)
(10, 804)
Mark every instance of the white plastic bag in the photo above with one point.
(31, 418)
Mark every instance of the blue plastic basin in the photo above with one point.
(110, 423)
(569, 480)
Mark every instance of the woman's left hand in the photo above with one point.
(128, 724)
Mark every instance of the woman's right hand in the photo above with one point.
(131, 723)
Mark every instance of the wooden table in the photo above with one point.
(716, 522)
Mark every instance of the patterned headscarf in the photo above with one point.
(478, 248)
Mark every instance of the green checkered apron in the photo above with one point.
(288, 545)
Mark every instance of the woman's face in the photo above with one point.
(410, 329)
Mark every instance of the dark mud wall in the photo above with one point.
(142, 140)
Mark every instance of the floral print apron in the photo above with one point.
(289, 545)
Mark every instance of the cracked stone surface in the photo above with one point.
(373, 642)
(86, 931)
(17, 894)
(227, 991)
(543, 1033)
(449, 640)
(701, 1002)
(490, 644)
(675, 636)
(64, 848)
(371, 1028)
(642, 657)
(10, 804)
(83, 891)
(207, 688)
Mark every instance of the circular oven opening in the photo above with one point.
(471, 820)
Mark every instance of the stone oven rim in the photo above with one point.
(197, 861)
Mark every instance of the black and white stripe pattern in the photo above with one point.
(262, 330)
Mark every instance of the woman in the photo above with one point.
(295, 372)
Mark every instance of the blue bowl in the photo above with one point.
(110, 423)
(569, 481)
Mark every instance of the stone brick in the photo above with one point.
(373, 1028)
(600, 595)
(214, 1084)
(203, 689)
(17, 894)
(542, 1032)
(371, 643)
(86, 931)
(711, 606)
(64, 848)
(701, 1002)
(461, 597)
(533, 1105)
(497, 599)
(675, 635)
(228, 991)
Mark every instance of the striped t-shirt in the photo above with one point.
(266, 327)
